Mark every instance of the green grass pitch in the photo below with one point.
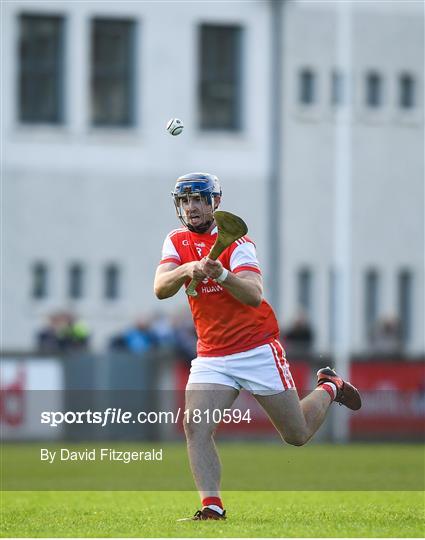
(251, 514)
(379, 507)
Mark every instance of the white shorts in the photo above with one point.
(263, 370)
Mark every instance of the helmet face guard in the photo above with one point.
(199, 186)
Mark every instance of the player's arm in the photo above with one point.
(170, 277)
(245, 286)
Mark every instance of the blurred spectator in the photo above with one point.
(184, 335)
(139, 338)
(162, 329)
(298, 338)
(386, 336)
(177, 331)
(63, 333)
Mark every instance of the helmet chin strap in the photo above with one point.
(201, 228)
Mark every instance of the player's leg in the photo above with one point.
(296, 421)
(266, 373)
(201, 400)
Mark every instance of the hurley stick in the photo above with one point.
(230, 228)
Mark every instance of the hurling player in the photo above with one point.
(238, 338)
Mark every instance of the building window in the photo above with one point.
(40, 278)
(304, 288)
(220, 77)
(373, 90)
(405, 299)
(406, 92)
(337, 88)
(112, 72)
(41, 59)
(332, 306)
(76, 281)
(307, 87)
(111, 282)
(371, 301)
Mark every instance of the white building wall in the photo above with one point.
(75, 193)
(387, 161)
(99, 195)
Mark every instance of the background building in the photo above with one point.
(87, 167)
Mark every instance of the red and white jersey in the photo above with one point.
(223, 324)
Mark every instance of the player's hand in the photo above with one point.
(213, 269)
(195, 271)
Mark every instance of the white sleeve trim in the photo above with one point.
(169, 251)
(244, 255)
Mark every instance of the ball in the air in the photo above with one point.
(175, 126)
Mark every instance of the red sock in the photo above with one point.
(208, 501)
(330, 388)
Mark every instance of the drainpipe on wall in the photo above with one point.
(275, 180)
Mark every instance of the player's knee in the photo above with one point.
(195, 430)
(296, 439)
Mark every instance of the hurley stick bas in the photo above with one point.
(230, 228)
